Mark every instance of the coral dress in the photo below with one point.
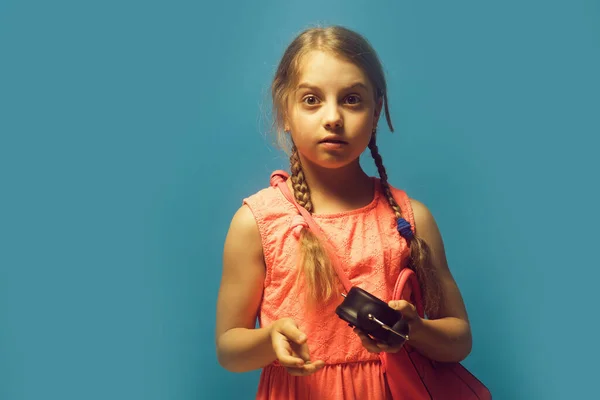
(372, 253)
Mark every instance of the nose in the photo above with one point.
(333, 118)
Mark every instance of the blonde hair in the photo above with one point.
(320, 278)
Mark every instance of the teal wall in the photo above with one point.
(130, 131)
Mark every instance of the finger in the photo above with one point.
(367, 342)
(318, 364)
(297, 339)
(301, 350)
(307, 369)
(296, 371)
(288, 360)
(383, 346)
(402, 306)
(284, 353)
(291, 331)
(389, 349)
(310, 368)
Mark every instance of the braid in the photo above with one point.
(420, 252)
(314, 264)
(384, 178)
(301, 190)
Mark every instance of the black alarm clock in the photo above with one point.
(373, 316)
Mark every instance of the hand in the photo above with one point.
(291, 348)
(409, 313)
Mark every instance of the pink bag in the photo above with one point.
(409, 374)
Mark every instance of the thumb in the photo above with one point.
(404, 307)
(297, 338)
(290, 330)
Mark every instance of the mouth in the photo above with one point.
(334, 141)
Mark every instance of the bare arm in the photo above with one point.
(447, 336)
(240, 345)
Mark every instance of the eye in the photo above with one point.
(310, 100)
(353, 99)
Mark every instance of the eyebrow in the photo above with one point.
(306, 85)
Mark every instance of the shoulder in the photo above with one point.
(265, 214)
(243, 227)
(243, 219)
(246, 219)
(268, 196)
(268, 205)
(421, 211)
(425, 223)
(418, 212)
(261, 194)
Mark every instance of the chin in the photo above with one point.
(333, 163)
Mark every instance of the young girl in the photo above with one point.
(328, 94)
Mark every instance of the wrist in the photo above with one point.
(445, 339)
(415, 328)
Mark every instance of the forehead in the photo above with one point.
(327, 70)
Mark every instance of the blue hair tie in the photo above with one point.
(404, 229)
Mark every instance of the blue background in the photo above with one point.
(130, 132)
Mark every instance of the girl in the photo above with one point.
(328, 94)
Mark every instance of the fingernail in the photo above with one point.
(302, 337)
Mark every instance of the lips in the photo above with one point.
(333, 140)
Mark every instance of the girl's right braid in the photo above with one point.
(301, 190)
(318, 272)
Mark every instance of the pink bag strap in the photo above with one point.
(408, 288)
(278, 179)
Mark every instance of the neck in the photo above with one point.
(339, 189)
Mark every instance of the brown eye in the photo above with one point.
(352, 99)
(310, 100)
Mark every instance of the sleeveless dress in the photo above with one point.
(371, 252)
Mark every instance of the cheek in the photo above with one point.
(304, 124)
(360, 125)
